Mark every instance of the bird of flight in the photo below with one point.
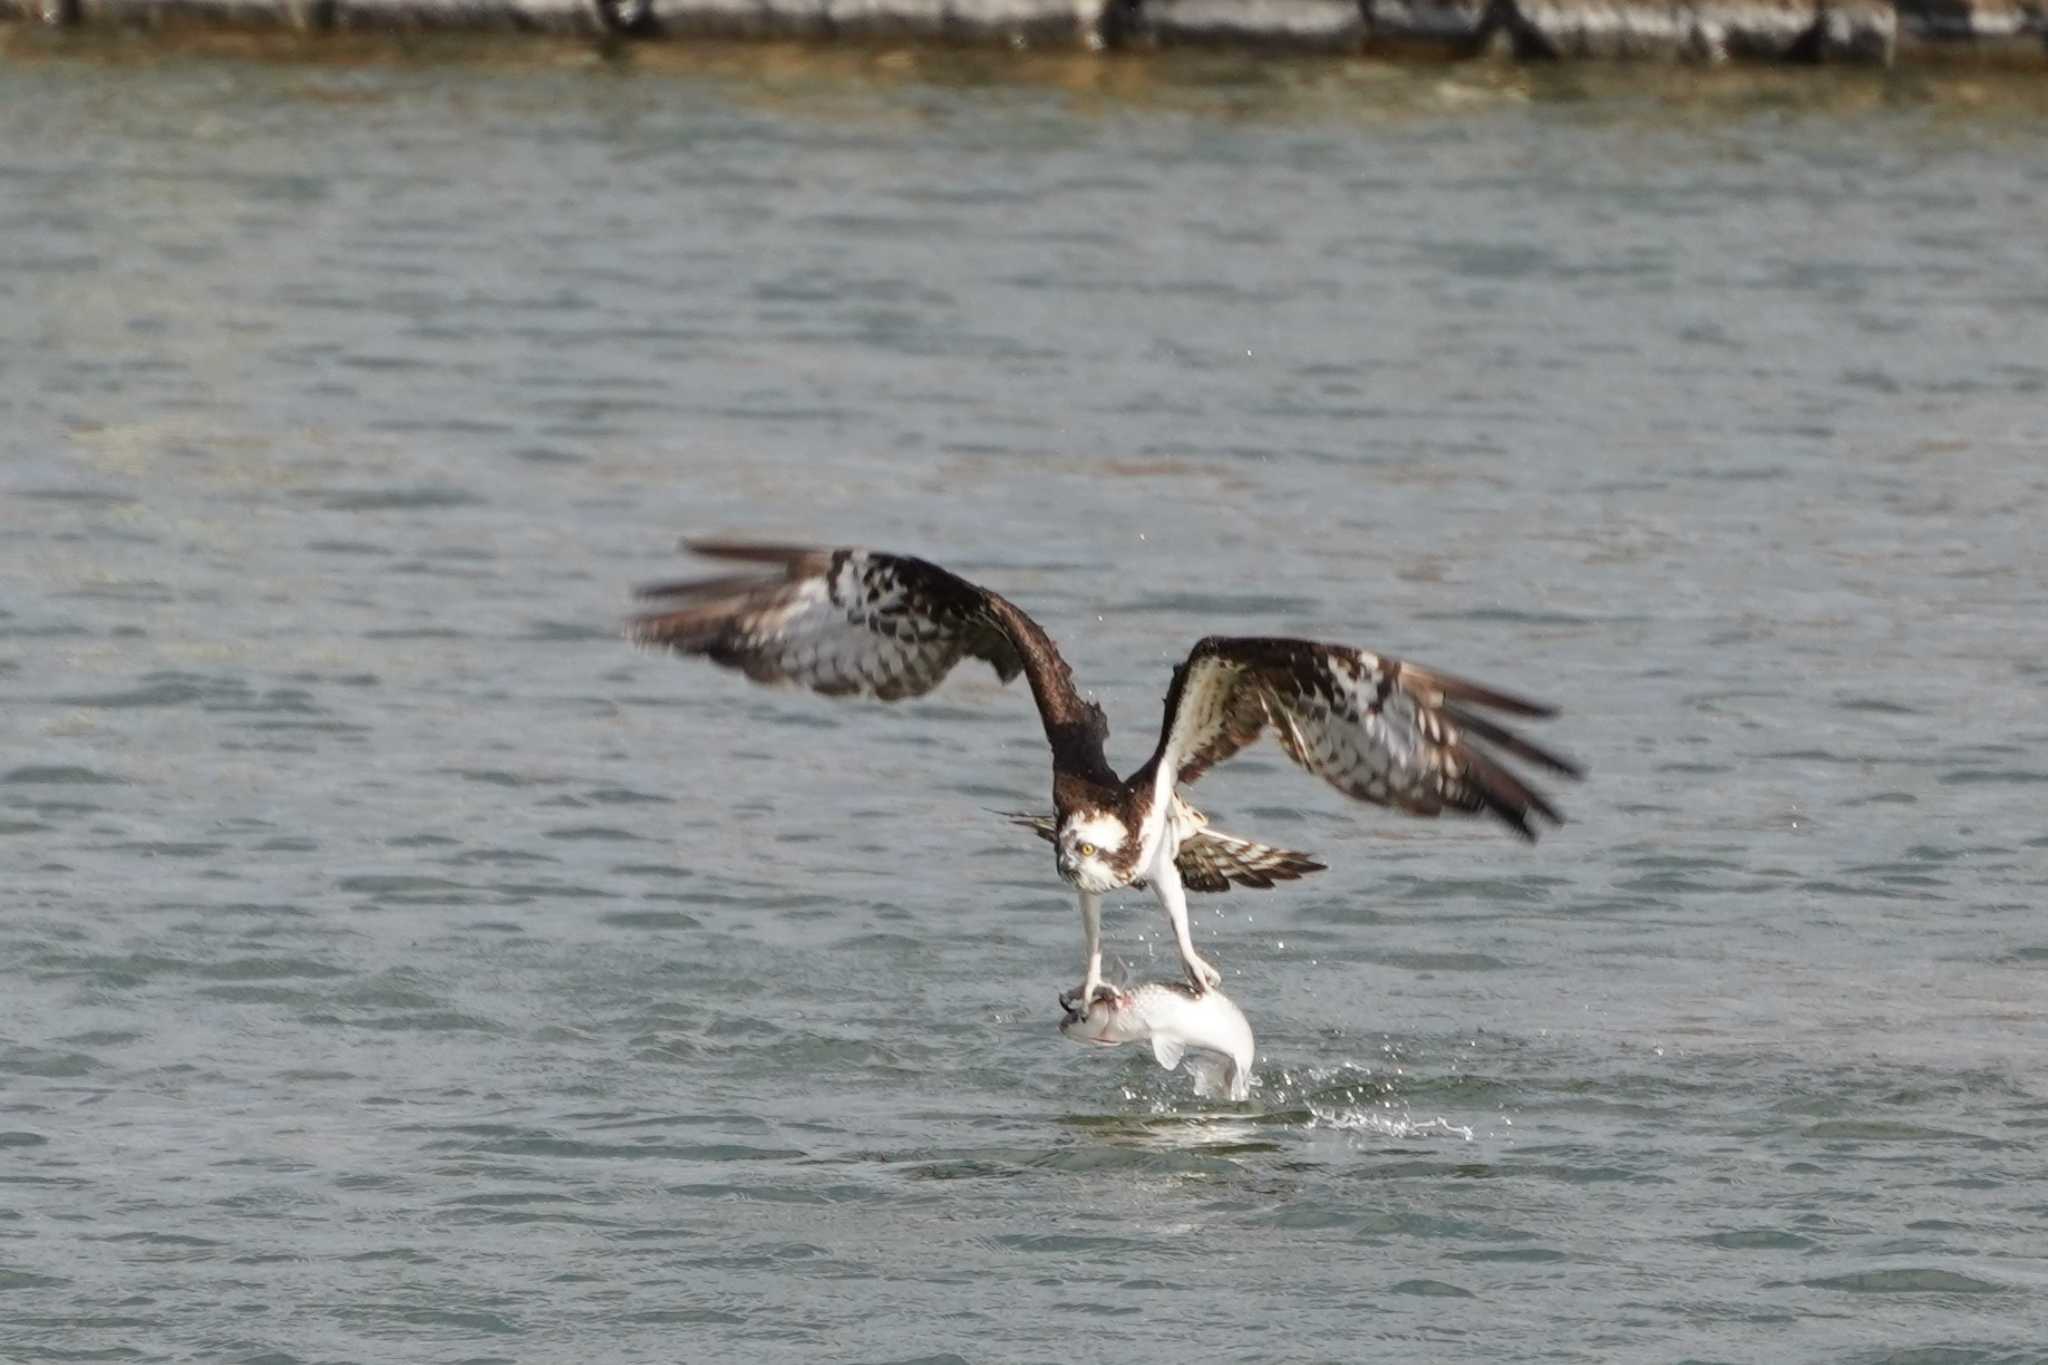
(858, 622)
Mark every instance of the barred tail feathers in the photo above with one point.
(1211, 860)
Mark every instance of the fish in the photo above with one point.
(1207, 1031)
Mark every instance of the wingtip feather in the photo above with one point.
(1478, 694)
(1509, 798)
(1510, 742)
(750, 551)
(730, 585)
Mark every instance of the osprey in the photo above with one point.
(850, 621)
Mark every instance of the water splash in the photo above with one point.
(1349, 1097)
(1388, 1123)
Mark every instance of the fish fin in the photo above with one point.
(1167, 1052)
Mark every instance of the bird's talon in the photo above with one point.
(1080, 999)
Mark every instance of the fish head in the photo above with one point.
(1107, 1020)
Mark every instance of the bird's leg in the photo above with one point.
(1173, 899)
(1091, 935)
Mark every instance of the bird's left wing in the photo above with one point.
(1375, 728)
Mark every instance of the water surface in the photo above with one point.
(394, 965)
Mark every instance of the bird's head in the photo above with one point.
(1094, 850)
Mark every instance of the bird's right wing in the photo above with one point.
(850, 621)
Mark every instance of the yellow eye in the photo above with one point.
(1087, 850)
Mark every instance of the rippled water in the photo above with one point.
(396, 966)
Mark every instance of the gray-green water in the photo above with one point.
(396, 966)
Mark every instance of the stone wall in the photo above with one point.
(1871, 32)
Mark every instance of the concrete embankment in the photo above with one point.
(1873, 32)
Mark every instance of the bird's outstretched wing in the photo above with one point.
(1209, 859)
(850, 621)
(1375, 728)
